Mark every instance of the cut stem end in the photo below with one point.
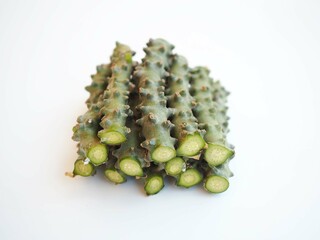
(175, 166)
(189, 178)
(216, 184)
(111, 137)
(131, 167)
(114, 176)
(217, 154)
(191, 145)
(83, 169)
(154, 184)
(98, 154)
(163, 154)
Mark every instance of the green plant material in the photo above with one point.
(219, 97)
(175, 166)
(217, 154)
(131, 156)
(154, 182)
(85, 132)
(218, 150)
(113, 174)
(130, 108)
(217, 178)
(189, 178)
(154, 115)
(83, 168)
(98, 84)
(115, 109)
(216, 184)
(190, 140)
(131, 167)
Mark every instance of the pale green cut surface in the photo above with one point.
(216, 184)
(175, 166)
(114, 176)
(98, 154)
(83, 169)
(112, 137)
(191, 146)
(163, 154)
(217, 154)
(154, 185)
(131, 167)
(189, 178)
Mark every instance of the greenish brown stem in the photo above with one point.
(131, 156)
(115, 109)
(190, 140)
(98, 84)
(218, 150)
(85, 132)
(150, 76)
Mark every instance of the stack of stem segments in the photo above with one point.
(154, 120)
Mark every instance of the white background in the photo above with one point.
(265, 52)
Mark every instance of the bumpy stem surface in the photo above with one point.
(131, 156)
(190, 140)
(220, 98)
(218, 150)
(150, 76)
(85, 132)
(98, 84)
(115, 109)
(217, 177)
